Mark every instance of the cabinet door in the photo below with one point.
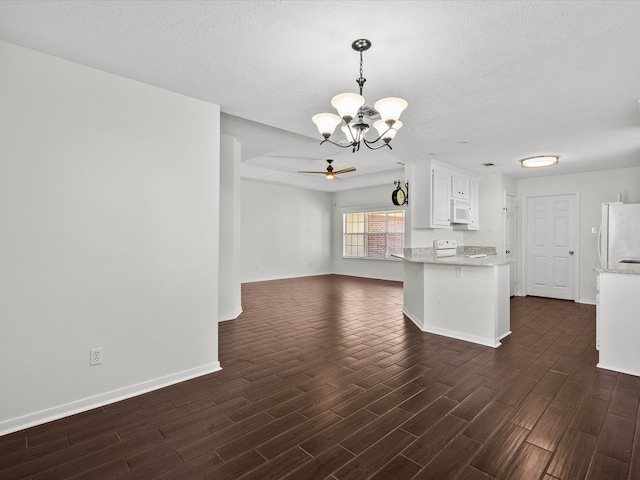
(474, 209)
(441, 198)
(460, 187)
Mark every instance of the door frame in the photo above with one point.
(505, 226)
(524, 243)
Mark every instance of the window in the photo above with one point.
(373, 234)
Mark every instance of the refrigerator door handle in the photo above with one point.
(600, 244)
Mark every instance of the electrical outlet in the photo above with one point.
(95, 356)
(459, 271)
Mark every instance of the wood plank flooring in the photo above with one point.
(323, 377)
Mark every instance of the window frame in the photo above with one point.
(366, 210)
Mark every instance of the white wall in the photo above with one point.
(378, 197)
(424, 237)
(286, 232)
(492, 190)
(109, 207)
(229, 275)
(594, 188)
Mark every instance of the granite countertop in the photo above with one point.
(427, 255)
(613, 267)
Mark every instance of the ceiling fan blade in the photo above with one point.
(346, 170)
(324, 173)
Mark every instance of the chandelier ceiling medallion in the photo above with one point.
(352, 112)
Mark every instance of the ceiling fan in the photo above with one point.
(331, 175)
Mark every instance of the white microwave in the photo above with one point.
(460, 211)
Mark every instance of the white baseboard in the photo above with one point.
(505, 335)
(84, 404)
(412, 317)
(225, 317)
(587, 301)
(635, 373)
(487, 342)
(453, 334)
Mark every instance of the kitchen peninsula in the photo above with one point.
(459, 296)
(617, 326)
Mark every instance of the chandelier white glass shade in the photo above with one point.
(351, 115)
(347, 104)
(384, 130)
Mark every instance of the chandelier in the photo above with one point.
(352, 113)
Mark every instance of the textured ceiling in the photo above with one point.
(486, 81)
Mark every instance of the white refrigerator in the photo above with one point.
(620, 233)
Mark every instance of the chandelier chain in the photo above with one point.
(360, 81)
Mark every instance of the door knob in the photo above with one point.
(570, 252)
(507, 251)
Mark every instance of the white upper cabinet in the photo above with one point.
(430, 196)
(474, 202)
(441, 200)
(474, 208)
(460, 189)
(432, 187)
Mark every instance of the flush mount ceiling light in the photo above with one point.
(352, 112)
(540, 161)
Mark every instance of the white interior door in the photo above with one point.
(551, 241)
(510, 242)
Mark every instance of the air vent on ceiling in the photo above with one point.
(370, 112)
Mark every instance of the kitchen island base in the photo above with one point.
(618, 328)
(467, 302)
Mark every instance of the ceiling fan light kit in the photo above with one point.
(330, 173)
(352, 112)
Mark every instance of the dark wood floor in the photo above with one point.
(323, 378)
